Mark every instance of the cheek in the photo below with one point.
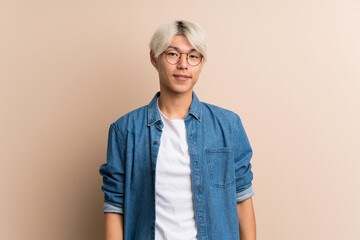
(166, 71)
(197, 73)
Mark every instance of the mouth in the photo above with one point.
(181, 77)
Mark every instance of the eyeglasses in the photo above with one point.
(173, 57)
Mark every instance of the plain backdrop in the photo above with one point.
(290, 69)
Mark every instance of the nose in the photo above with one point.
(183, 64)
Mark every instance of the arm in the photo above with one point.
(114, 229)
(244, 176)
(113, 173)
(246, 217)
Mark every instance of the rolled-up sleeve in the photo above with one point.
(113, 172)
(242, 156)
(113, 209)
(243, 195)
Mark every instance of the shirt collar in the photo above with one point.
(154, 114)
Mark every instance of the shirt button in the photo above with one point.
(195, 163)
(155, 142)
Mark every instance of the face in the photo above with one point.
(181, 77)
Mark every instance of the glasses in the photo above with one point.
(173, 57)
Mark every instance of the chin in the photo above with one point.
(177, 88)
(184, 90)
(180, 90)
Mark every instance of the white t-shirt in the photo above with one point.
(175, 216)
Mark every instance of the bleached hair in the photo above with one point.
(164, 35)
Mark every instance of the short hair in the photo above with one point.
(164, 35)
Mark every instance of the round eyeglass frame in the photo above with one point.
(187, 58)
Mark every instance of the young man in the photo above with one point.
(178, 168)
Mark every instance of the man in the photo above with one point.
(178, 168)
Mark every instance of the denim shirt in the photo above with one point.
(221, 174)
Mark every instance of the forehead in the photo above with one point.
(181, 43)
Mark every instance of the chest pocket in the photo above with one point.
(221, 166)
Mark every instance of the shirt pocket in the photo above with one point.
(221, 166)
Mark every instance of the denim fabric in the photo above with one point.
(220, 154)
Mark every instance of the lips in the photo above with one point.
(181, 77)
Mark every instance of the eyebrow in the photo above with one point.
(178, 48)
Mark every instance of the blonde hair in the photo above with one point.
(164, 35)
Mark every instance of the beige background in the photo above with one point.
(290, 69)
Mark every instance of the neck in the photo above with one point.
(174, 105)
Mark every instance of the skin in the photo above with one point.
(114, 226)
(246, 217)
(174, 101)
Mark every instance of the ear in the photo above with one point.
(153, 59)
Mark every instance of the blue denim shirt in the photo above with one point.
(221, 174)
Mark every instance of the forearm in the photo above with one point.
(246, 217)
(114, 228)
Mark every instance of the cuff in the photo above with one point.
(111, 208)
(243, 195)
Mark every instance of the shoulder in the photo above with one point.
(220, 114)
(133, 114)
(131, 119)
(216, 110)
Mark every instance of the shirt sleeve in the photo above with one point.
(112, 208)
(113, 172)
(243, 195)
(242, 156)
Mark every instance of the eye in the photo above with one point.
(194, 55)
(172, 54)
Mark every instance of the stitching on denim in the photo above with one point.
(118, 134)
(238, 120)
(219, 149)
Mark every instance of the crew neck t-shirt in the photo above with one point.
(174, 205)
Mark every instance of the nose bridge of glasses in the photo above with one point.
(186, 59)
(187, 54)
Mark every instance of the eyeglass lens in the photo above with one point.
(173, 57)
